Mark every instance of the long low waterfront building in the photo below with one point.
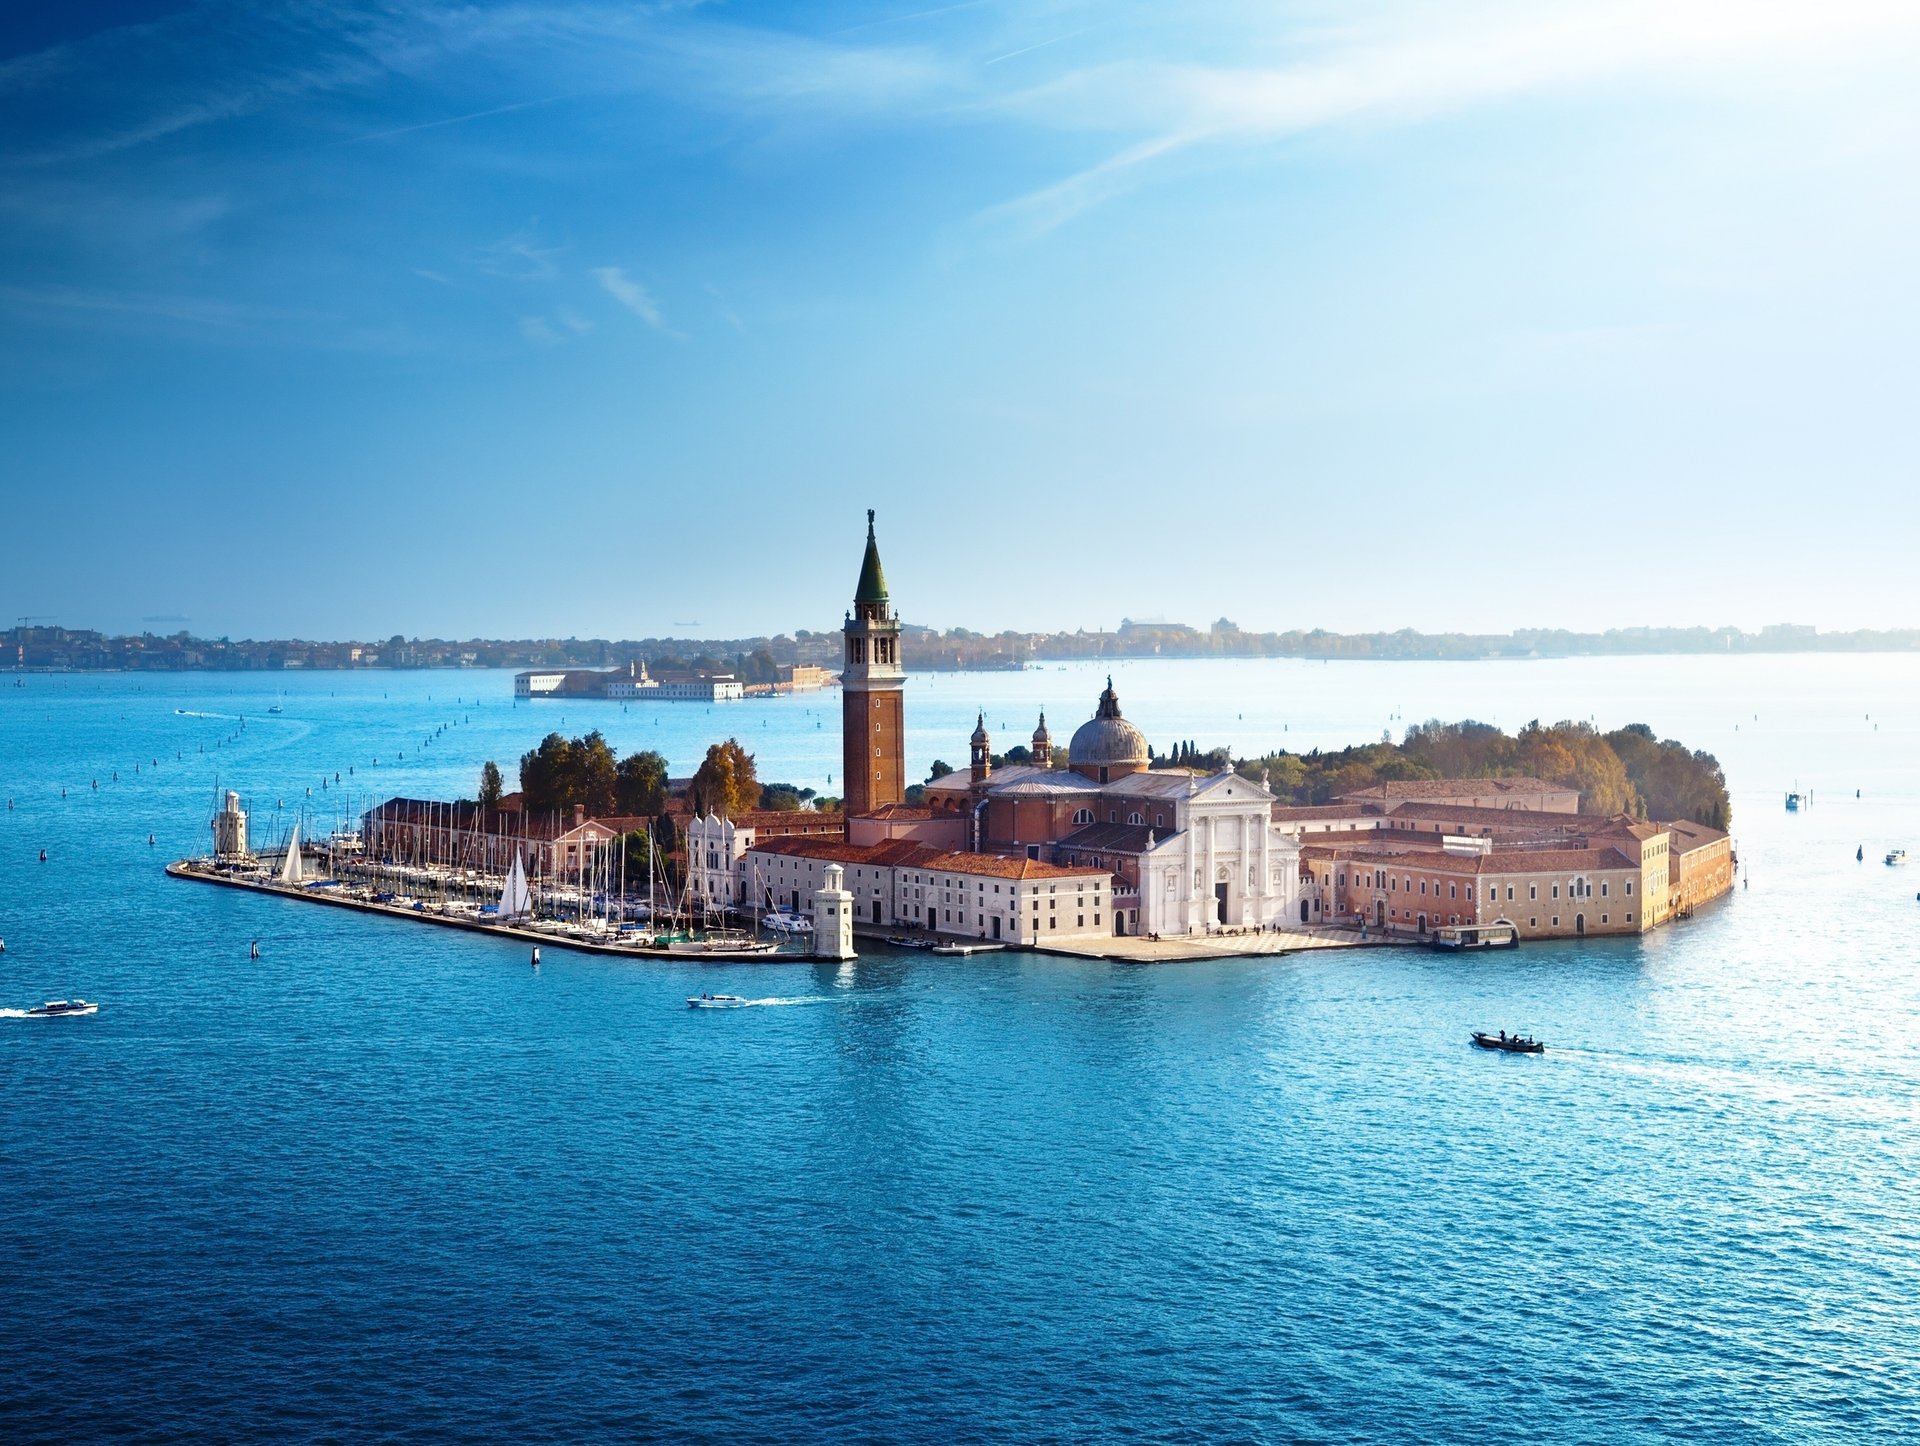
(1618, 876)
(905, 885)
(630, 682)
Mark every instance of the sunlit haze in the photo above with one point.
(340, 320)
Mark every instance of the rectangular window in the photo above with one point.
(1629, 918)
(1603, 888)
(1080, 922)
(1533, 891)
(1556, 891)
(1603, 918)
(1629, 888)
(1556, 921)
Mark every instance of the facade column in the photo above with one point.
(1187, 891)
(1266, 868)
(1213, 827)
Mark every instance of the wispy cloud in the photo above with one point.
(632, 295)
(206, 312)
(539, 331)
(456, 120)
(1404, 65)
(518, 257)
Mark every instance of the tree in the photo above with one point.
(544, 773)
(940, 769)
(639, 852)
(641, 785)
(726, 784)
(596, 777)
(784, 797)
(490, 785)
(563, 773)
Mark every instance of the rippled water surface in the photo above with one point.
(389, 1182)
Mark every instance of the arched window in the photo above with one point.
(1135, 818)
(1083, 815)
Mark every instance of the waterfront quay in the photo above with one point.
(634, 941)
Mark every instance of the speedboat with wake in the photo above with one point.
(715, 1001)
(55, 1007)
(1510, 1043)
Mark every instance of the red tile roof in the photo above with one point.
(905, 853)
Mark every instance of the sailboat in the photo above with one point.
(290, 871)
(514, 898)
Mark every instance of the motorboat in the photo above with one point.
(1509, 1043)
(54, 1007)
(715, 1001)
(907, 941)
(1896, 856)
(785, 923)
(1794, 800)
(1500, 934)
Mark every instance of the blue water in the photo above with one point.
(389, 1182)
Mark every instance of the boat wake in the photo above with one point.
(14, 1014)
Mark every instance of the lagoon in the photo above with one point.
(391, 1182)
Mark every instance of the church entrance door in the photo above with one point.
(1220, 903)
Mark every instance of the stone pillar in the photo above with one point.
(833, 916)
(1212, 915)
(1275, 903)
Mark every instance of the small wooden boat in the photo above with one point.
(907, 941)
(1509, 1043)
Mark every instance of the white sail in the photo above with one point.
(514, 898)
(290, 869)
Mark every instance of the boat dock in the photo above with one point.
(532, 931)
(351, 894)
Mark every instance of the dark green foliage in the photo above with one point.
(784, 797)
(491, 786)
(564, 773)
(1625, 771)
(642, 784)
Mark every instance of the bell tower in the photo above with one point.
(873, 731)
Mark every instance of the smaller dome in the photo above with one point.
(980, 739)
(1108, 741)
(1042, 738)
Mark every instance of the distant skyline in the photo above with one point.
(337, 320)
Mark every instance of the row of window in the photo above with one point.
(1576, 888)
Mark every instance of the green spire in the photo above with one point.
(873, 582)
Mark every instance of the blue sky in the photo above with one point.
(539, 318)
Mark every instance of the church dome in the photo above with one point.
(1107, 743)
(979, 739)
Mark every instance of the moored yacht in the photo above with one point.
(1896, 856)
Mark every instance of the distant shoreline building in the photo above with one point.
(632, 681)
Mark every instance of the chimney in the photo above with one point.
(579, 814)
